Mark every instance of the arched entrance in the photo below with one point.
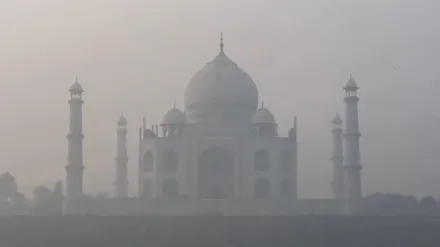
(216, 174)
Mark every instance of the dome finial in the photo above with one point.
(174, 104)
(262, 104)
(122, 120)
(76, 87)
(221, 42)
(337, 119)
(351, 84)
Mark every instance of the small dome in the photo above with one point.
(337, 119)
(122, 120)
(263, 115)
(149, 134)
(173, 116)
(76, 87)
(351, 85)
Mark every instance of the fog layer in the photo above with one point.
(137, 57)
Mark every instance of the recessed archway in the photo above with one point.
(216, 173)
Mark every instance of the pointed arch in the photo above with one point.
(262, 160)
(216, 173)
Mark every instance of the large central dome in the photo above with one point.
(221, 92)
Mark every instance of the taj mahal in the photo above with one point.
(221, 154)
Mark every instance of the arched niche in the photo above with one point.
(216, 173)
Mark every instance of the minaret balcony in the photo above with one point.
(78, 168)
(76, 101)
(122, 159)
(351, 99)
(73, 136)
(352, 135)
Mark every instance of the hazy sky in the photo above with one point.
(138, 55)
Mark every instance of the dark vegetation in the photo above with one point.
(403, 221)
(47, 202)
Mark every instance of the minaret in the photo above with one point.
(293, 135)
(352, 163)
(121, 182)
(74, 168)
(295, 160)
(337, 159)
(141, 133)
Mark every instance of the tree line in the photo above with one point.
(46, 201)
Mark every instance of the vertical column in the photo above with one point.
(295, 161)
(352, 152)
(74, 168)
(140, 170)
(337, 159)
(293, 135)
(121, 182)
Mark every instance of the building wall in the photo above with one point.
(240, 142)
(274, 146)
(194, 207)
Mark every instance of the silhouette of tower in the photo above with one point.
(293, 135)
(352, 153)
(337, 159)
(121, 182)
(74, 168)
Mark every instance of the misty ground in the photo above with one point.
(220, 231)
